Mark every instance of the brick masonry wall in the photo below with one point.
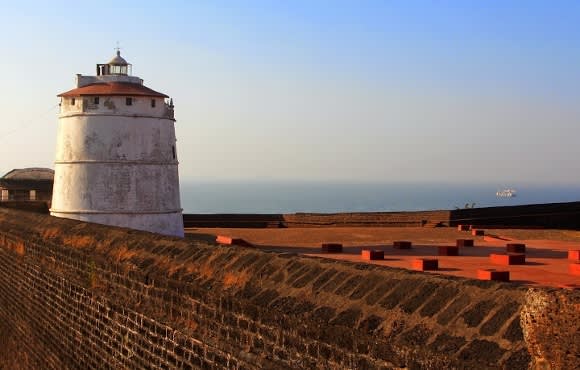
(77, 295)
(551, 328)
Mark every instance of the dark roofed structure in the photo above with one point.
(27, 184)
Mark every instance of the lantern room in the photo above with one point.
(116, 66)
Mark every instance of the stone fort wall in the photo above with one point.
(78, 295)
(549, 215)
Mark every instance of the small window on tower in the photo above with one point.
(96, 100)
(72, 101)
(129, 101)
(174, 154)
(152, 103)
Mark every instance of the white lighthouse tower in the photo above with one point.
(116, 160)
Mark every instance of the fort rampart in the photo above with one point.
(78, 295)
(549, 215)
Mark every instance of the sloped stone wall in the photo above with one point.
(78, 295)
(551, 328)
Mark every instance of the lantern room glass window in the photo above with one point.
(118, 70)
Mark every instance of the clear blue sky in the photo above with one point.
(370, 91)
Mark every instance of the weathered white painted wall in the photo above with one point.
(115, 186)
(108, 138)
(114, 105)
(115, 164)
(167, 224)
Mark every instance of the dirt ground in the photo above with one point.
(546, 250)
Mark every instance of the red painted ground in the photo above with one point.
(546, 250)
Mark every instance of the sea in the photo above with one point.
(329, 197)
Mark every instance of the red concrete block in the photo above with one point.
(495, 275)
(402, 244)
(425, 264)
(372, 255)
(508, 258)
(464, 243)
(463, 227)
(448, 250)
(574, 255)
(515, 248)
(227, 240)
(574, 269)
(331, 247)
(477, 232)
(220, 239)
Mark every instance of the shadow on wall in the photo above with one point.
(28, 205)
(549, 215)
(234, 220)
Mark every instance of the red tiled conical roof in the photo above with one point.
(113, 88)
